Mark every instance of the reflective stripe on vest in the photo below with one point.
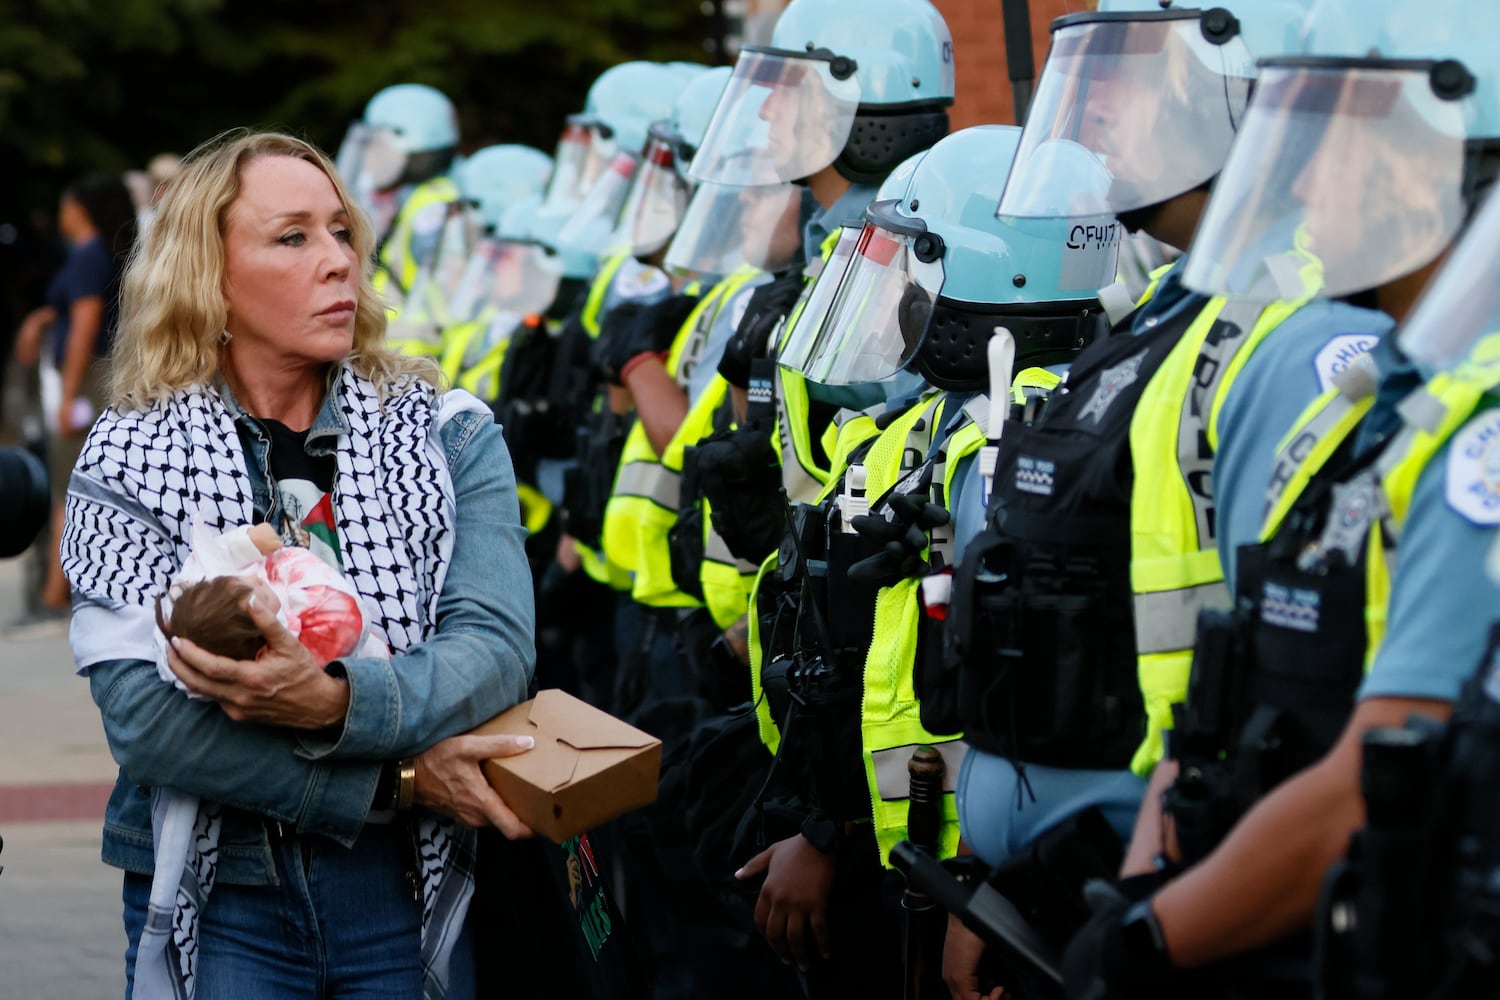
(897, 437)
(1307, 447)
(593, 306)
(1434, 414)
(1174, 567)
(726, 580)
(890, 714)
(643, 502)
(767, 727)
(801, 475)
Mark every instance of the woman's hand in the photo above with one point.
(450, 781)
(284, 686)
(794, 898)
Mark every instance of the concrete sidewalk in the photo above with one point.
(61, 936)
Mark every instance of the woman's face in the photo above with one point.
(291, 277)
(72, 220)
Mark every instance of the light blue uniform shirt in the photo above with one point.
(1292, 366)
(1442, 601)
(849, 210)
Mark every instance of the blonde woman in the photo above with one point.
(331, 852)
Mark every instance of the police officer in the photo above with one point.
(840, 644)
(484, 285)
(1427, 137)
(411, 145)
(1102, 503)
(1408, 914)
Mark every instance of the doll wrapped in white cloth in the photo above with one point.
(206, 601)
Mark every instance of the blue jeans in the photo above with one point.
(342, 923)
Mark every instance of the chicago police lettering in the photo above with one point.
(1339, 353)
(1473, 483)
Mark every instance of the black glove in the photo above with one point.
(767, 305)
(741, 477)
(1117, 955)
(903, 538)
(631, 329)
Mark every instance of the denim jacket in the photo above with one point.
(478, 663)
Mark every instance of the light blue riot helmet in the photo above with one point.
(857, 84)
(660, 190)
(1362, 155)
(623, 104)
(1156, 89)
(935, 272)
(412, 136)
(496, 177)
(627, 99)
(800, 349)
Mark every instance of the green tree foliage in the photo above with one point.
(104, 84)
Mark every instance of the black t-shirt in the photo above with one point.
(304, 486)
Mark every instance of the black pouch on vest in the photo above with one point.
(935, 680)
(1047, 669)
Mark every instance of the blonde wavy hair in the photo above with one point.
(172, 308)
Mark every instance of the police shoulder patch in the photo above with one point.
(1473, 473)
(1338, 354)
(738, 304)
(639, 281)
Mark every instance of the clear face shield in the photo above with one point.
(783, 117)
(1458, 316)
(352, 151)
(1365, 184)
(382, 160)
(726, 226)
(881, 308)
(589, 228)
(565, 186)
(811, 310)
(503, 276)
(654, 207)
(1152, 97)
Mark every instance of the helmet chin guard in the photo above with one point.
(882, 139)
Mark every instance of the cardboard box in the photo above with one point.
(587, 766)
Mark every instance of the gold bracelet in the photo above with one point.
(406, 783)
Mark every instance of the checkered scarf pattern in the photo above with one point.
(142, 479)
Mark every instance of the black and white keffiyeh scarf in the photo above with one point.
(142, 480)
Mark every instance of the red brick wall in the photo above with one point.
(979, 55)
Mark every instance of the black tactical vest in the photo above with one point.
(1040, 631)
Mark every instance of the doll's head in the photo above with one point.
(212, 613)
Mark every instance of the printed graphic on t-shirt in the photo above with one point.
(311, 509)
